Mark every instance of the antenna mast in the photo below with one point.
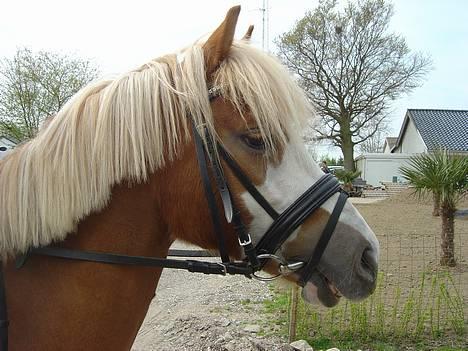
(265, 25)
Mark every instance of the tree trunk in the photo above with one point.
(447, 241)
(347, 148)
(436, 208)
(348, 157)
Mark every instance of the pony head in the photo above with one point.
(137, 129)
(259, 116)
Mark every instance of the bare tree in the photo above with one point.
(376, 142)
(34, 86)
(352, 68)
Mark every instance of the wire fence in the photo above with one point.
(415, 298)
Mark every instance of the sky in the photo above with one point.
(121, 35)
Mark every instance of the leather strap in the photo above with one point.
(112, 258)
(245, 181)
(190, 253)
(245, 240)
(220, 179)
(296, 214)
(232, 214)
(309, 268)
(210, 198)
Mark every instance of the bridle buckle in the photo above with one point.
(246, 242)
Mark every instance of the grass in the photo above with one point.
(429, 316)
(278, 309)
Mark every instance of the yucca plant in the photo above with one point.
(347, 178)
(445, 175)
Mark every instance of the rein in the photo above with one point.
(284, 224)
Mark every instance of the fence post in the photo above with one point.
(293, 313)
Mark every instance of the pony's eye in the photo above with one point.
(255, 143)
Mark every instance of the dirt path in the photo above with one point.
(200, 312)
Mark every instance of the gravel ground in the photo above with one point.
(206, 312)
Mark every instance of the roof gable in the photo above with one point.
(446, 129)
(390, 142)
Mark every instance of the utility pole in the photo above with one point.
(265, 25)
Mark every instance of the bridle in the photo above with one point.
(255, 256)
(284, 224)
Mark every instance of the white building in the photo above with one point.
(421, 131)
(428, 130)
(381, 167)
(389, 144)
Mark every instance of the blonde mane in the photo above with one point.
(125, 129)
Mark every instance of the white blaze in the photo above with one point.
(284, 183)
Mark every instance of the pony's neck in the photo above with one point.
(130, 224)
(63, 304)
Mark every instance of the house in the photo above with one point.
(378, 168)
(428, 130)
(423, 130)
(5, 145)
(389, 144)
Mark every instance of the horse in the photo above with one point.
(117, 170)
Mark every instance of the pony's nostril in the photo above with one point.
(368, 263)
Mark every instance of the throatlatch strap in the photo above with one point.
(308, 269)
(210, 198)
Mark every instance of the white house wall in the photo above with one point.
(377, 168)
(411, 142)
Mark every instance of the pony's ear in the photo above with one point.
(248, 35)
(218, 45)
